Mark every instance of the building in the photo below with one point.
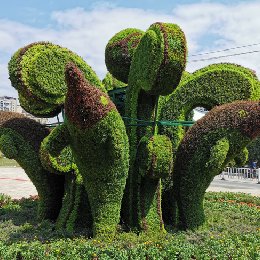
(42, 121)
(8, 104)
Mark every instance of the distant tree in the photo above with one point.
(254, 151)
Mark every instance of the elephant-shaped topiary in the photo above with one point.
(20, 139)
(96, 134)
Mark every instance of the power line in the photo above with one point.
(233, 48)
(223, 56)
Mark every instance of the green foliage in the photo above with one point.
(242, 158)
(208, 146)
(91, 148)
(231, 230)
(20, 140)
(37, 72)
(119, 52)
(254, 150)
(7, 145)
(159, 60)
(155, 156)
(55, 154)
(94, 130)
(208, 87)
(111, 83)
(155, 70)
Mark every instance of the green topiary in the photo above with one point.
(155, 157)
(242, 158)
(155, 70)
(96, 134)
(91, 148)
(119, 52)
(37, 72)
(208, 87)
(111, 83)
(205, 150)
(20, 139)
(159, 60)
(56, 157)
(114, 87)
(254, 151)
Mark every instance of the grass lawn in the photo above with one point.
(4, 162)
(231, 231)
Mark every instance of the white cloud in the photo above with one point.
(87, 32)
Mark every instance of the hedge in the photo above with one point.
(155, 70)
(205, 150)
(119, 52)
(96, 134)
(37, 72)
(20, 139)
(211, 86)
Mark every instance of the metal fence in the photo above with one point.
(241, 173)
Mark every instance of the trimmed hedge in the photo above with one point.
(119, 52)
(37, 72)
(155, 157)
(208, 87)
(205, 150)
(91, 148)
(20, 139)
(96, 134)
(111, 83)
(159, 60)
(155, 70)
(254, 151)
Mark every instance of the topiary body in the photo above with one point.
(208, 87)
(20, 139)
(37, 72)
(119, 52)
(96, 134)
(207, 147)
(155, 70)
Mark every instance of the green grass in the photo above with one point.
(231, 231)
(4, 162)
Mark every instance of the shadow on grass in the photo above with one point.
(18, 222)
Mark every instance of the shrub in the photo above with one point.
(96, 134)
(205, 150)
(20, 139)
(37, 72)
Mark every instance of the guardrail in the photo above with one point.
(241, 173)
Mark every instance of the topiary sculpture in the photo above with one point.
(96, 134)
(208, 87)
(20, 139)
(91, 148)
(156, 69)
(37, 72)
(205, 150)
(119, 52)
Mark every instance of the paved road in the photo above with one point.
(235, 185)
(14, 182)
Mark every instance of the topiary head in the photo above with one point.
(85, 105)
(37, 72)
(159, 59)
(119, 52)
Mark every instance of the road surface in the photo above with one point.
(15, 183)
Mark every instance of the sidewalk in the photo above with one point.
(15, 183)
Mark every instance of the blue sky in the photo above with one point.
(86, 26)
